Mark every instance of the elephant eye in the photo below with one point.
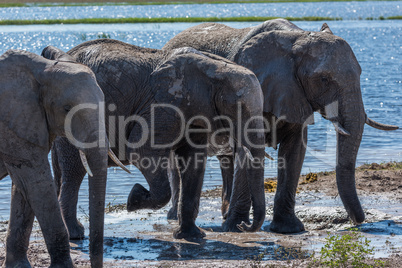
(67, 108)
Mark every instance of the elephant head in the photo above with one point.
(206, 85)
(302, 72)
(41, 99)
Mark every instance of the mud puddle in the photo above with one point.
(145, 238)
(131, 238)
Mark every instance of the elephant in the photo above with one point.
(40, 100)
(157, 93)
(300, 72)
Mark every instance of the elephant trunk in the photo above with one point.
(97, 161)
(352, 118)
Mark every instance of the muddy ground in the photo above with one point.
(144, 239)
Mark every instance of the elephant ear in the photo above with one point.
(22, 116)
(54, 53)
(270, 56)
(325, 28)
(177, 80)
(178, 86)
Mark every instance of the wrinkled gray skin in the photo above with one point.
(300, 72)
(133, 79)
(36, 95)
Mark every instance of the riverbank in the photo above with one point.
(237, 12)
(144, 239)
(155, 20)
(170, 20)
(47, 3)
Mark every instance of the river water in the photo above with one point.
(378, 48)
(345, 10)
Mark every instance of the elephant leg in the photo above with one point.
(72, 174)
(291, 152)
(174, 178)
(240, 202)
(19, 230)
(227, 170)
(191, 162)
(35, 185)
(153, 164)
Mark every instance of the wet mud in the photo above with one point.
(144, 238)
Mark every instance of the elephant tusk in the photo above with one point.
(377, 125)
(331, 112)
(340, 129)
(85, 163)
(117, 161)
(268, 156)
(248, 153)
(250, 156)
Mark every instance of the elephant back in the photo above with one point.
(214, 38)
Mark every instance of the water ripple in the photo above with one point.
(345, 10)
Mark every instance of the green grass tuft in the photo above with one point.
(164, 20)
(155, 20)
(13, 5)
(395, 18)
(27, 3)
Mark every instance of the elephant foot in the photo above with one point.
(286, 224)
(138, 198)
(172, 214)
(192, 232)
(17, 263)
(141, 198)
(67, 264)
(76, 230)
(230, 225)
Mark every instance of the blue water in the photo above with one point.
(377, 45)
(345, 10)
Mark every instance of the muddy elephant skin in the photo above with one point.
(37, 98)
(193, 88)
(300, 72)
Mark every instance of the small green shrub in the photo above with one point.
(350, 249)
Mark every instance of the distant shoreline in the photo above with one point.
(47, 3)
(171, 20)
